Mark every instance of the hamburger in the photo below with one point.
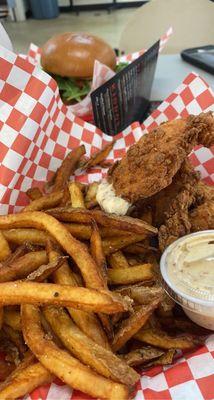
(69, 58)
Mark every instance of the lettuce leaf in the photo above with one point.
(71, 89)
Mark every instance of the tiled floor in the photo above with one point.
(107, 26)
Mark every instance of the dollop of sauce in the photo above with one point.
(190, 266)
(108, 200)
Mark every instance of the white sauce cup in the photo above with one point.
(199, 308)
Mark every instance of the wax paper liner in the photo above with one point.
(37, 131)
(101, 73)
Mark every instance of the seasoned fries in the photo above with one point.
(76, 374)
(141, 294)
(5, 370)
(102, 360)
(83, 231)
(23, 266)
(98, 255)
(125, 276)
(132, 325)
(44, 202)
(19, 292)
(34, 193)
(87, 322)
(161, 339)
(13, 319)
(74, 248)
(67, 168)
(113, 244)
(4, 248)
(77, 199)
(87, 284)
(118, 261)
(90, 197)
(99, 156)
(22, 236)
(131, 225)
(25, 380)
(142, 356)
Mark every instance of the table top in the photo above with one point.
(171, 71)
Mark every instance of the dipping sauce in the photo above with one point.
(191, 266)
(187, 268)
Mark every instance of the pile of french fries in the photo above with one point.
(80, 297)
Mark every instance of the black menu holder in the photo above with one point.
(125, 97)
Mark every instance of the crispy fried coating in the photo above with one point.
(186, 178)
(191, 211)
(150, 165)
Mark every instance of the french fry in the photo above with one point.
(77, 250)
(22, 236)
(159, 338)
(166, 306)
(141, 294)
(182, 325)
(12, 318)
(77, 200)
(4, 248)
(49, 184)
(79, 231)
(5, 370)
(67, 168)
(125, 276)
(22, 292)
(142, 355)
(44, 271)
(9, 349)
(164, 359)
(141, 248)
(19, 252)
(129, 224)
(23, 266)
(97, 253)
(82, 231)
(113, 244)
(106, 232)
(99, 156)
(25, 381)
(1, 316)
(34, 193)
(101, 360)
(87, 322)
(44, 202)
(76, 375)
(16, 338)
(132, 324)
(91, 193)
(98, 256)
(118, 260)
(66, 200)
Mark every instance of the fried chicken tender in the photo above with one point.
(186, 178)
(191, 211)
(150, 165)
(202, 217)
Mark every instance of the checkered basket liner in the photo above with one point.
(37, 131)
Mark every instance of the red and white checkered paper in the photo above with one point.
(36, 132)
(101, 73)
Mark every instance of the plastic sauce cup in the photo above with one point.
(197, 303)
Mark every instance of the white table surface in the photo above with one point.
(170, 73)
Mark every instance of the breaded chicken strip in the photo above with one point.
(191, 211)
(150, 165)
